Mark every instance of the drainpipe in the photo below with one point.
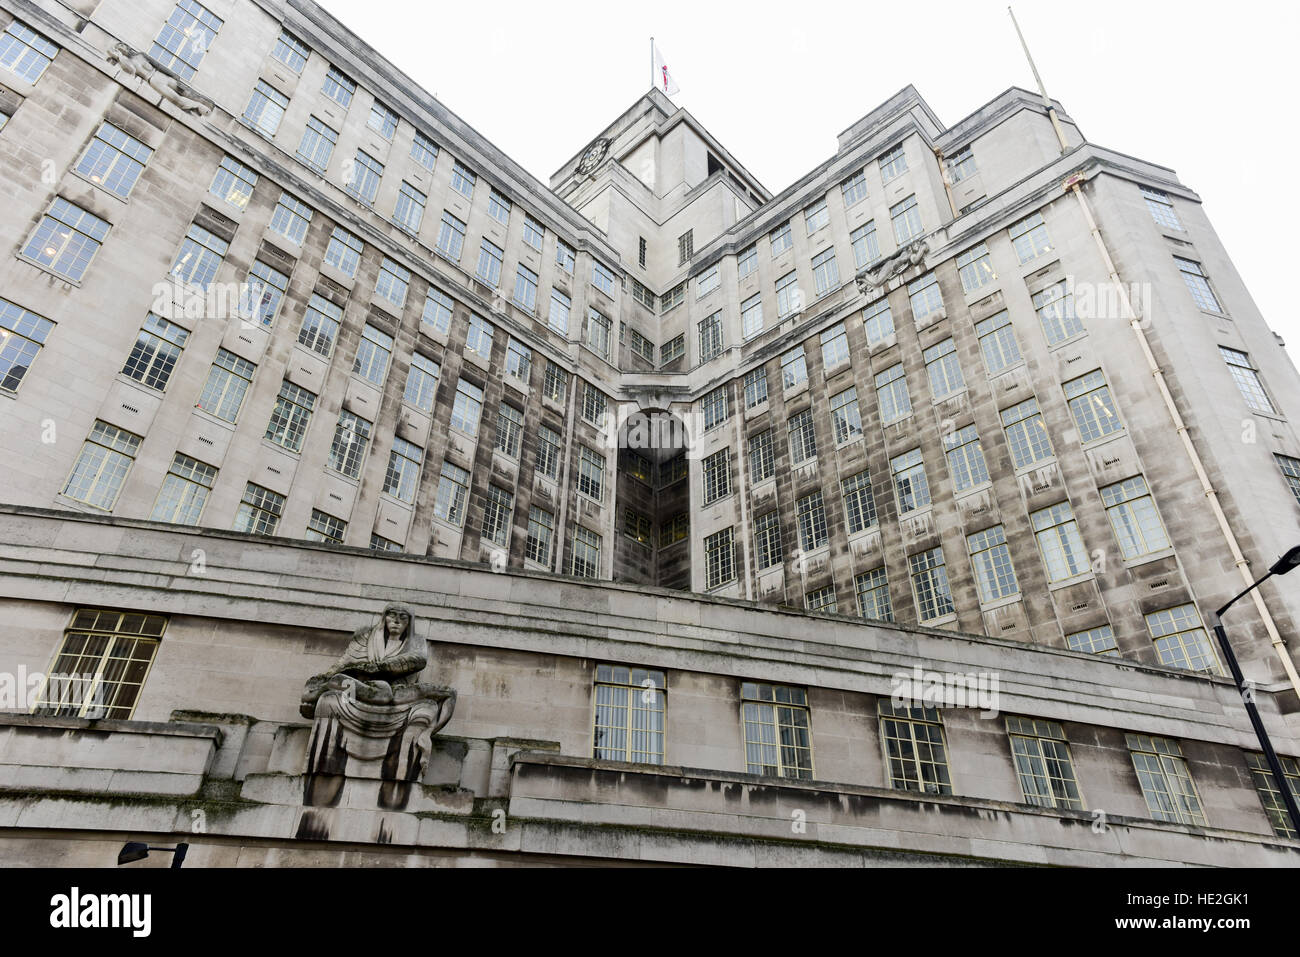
(564, 481)
(743, 486)
(1207, 489)
(947, 186)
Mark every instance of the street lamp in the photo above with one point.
(1286, 563)
(134, 851)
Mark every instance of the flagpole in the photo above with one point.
(652, 62)
(1042, 90)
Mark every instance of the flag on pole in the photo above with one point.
(663, 79)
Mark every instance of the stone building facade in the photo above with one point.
(274, 310)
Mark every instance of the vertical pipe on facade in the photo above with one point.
(947, 186)
(744, 492)
(564, 481)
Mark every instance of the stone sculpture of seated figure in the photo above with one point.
(371, 704)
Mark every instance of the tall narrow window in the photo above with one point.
(873, 595)
(498, 507)
(403, 473)
(1161, 208)
(859, 503)
(930, 585)
(451, 237)
(468, 408)
(393, 282)
(1026, 434)
(756, 391)
(1165, 780)
(1055, 308)
(233, 182)
(351, 435)
(810, 515)
(778, 732)
(289, 418)
(965, 459)
(422, 382)
(711, 337)
(717, 476)
(541, 534)
(768, 550)
(911, 486)
(891, 395)
(720, 558)
(878, 322)
(906, 219)
(320, 325)
(1247, 379)
(264, 289)
(318, 142)
(1289, 466)
(364, 180)
(373, 353)
(227, 384)
(453, 490)
(990, 560)
(1043, 763)
(925, 296)
(1198, 285)
(1270, 796)
(944, 370)
(975, 268)
(591, 474)
(997, 339)
(846, 417)
(184, 491)
(794, 368)
(866, 248)
(585, 559)
(1059, 542)
(826, 274)
(629, 723)
(803, 438)
(437, 311)
(408, 214)
(291, 218)
(835, 346)
(762, 464)
(510, 430)
(265, 109)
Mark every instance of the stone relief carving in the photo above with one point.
(873, 277)
(135, 63)
(371, 707)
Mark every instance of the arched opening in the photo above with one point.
(654, 501)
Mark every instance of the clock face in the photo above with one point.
(591, 159)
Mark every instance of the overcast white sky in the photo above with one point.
(1209, 89)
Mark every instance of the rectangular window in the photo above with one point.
(344, 251)
(22, 333)
(1092, 407)
(707, 282)
(859, 503)
(925, 296)
(915, 748)
(199, 258)
(453, 490)
(756, 391)
(965, 459)
(1043, 764)
(66, 239)
(1133, 517)
(424, 150)
(1059, 542)
(768, 550)
(643, 347)
(403, 472)
(1029, 236)
(591, 474)
(762, 463)
(644, 296)
(991, 561)
(585, 560)
(710, 331)
(526, 288)
(1181, 641)
(892, 163)
(393, 282)
(788, 298)
(1247, 379)
(891, 395)
(233, 182)
(673, 298)
(364, 181)
(227, 384)
(534, 232)
(846, 417)
(715, 408)
(291, 51)
(101, 467)
(598, 333)
(674, 348)
(291, 218)
(320, 325)
(1165, 780)
(289, 418)
(351, 434)
(317, 146)
(866, 248)
(629, 721)
(911, 486)
(373, 354)
(930, 585)
(854, 189)
(1290, 466)
(747, 261)
(498, 207)
(685, 247)
(961, 165)
(751, 316)
(997, 341)
(781, 239)
(101, 664)
(265, 109)
(558, 317)
(382, 120)
(26, 52)
(878, 321)
(1269, 795)
(673, 471)
(720, 558)
(451, 237)
(821, 599)
(778, 732)
(259, 511)
(468, 408)
(437, 311)
(380, 544)
(498, 507)
(593, 404)
(826, 273)
(409, 211)
(717, 476)
(262, 293)
(810, 515)
(339, 87)
(975, 268)
(906, 219)
(324, 527)
(565, 257)
(944, 370)
(1055, 308)
(114, 160)
(1162, 210)
(1094, 641)
(541, 535)
(873, 595)
(490, 257)
(519, 361)
(154, 355)
(183, 39)
(478, 338)
(1026, 434)
(803, 438)
(816, 216)
(184, 491)
(510, 430)
(602, 279)
(555, 383)
(422, 382)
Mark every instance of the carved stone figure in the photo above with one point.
(875, 276)
(135, 63)
(370, 706)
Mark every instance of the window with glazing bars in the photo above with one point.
(1160, 207)
(629, 716)
(1059, 542)
(1026, 434)
(859, 503)
(424, 150)
(778, 730)
(1247, 379)
(1042, 758)
(1092, 407)
(403, 473)
(351, 433)
(114, 160)
(911, 486)
(233, 182)
(762, 462)
(720, 558)
(1134, 519)
(422, 382)
(715, 407)
(591, 474)
(891, 395)
(1055, 308)
(768, 550)
(184, 491)
(930, 585)
(101, 665)
(997, 339)
(878, 321)
(227, 384)
(1198, 284)
(915, 749)
(289, 418)
(184, 38)
(944, 370)
(541, 535)
(1181, 641)
(1029, 237)
(717, 476)
(320, 325)
(324, 527)
(1165, 779)
(873, 595)
(259, 511)
(155, 353)
(803, 437)
(810, 516)
(498, 507)
(1269, 795)
(585, 559)
(22, 334)
(990, 560)
(965, 459)
(291, 218)
(102, 466)
(846, 417)
(1094, 641)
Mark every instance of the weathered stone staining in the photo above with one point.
(371, 714)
